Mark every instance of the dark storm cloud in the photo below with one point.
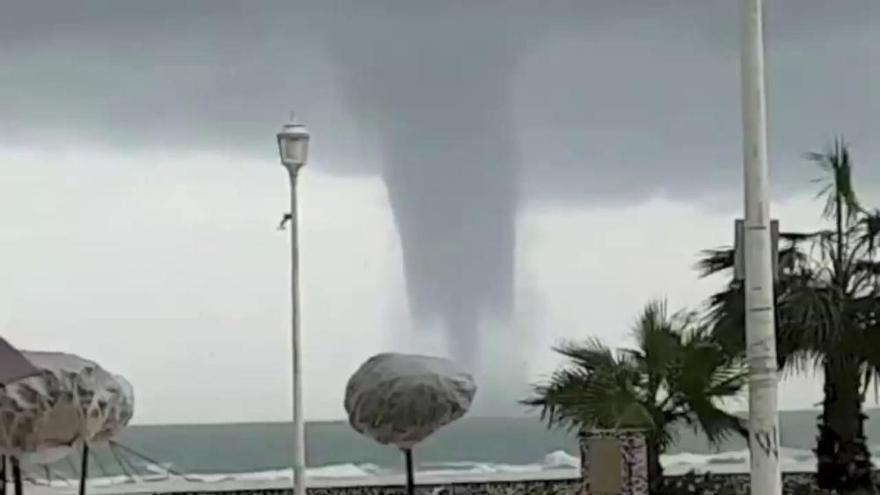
(609, 97)
(462, 107)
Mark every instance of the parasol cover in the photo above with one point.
(401, 399)
(70, 401)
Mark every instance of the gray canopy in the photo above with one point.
(13, 365)
(399, 399)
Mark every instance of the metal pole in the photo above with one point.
(410, 475)
(299, 447)
(16, 475)
(758, 286)
(84, 469)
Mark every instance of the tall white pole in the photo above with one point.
(299, 442)
(760, 311)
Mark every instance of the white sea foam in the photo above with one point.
(333, 471)
(793, 460)
(340, 471)
(560, 459)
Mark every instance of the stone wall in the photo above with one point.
(536, 487)
(719, 484)
(736, 484)
(561, 487)
(624, 453)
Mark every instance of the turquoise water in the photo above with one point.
(257, 447)
(243, 448)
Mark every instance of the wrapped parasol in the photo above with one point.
(401, 399)
(69, 401)
(51, 403)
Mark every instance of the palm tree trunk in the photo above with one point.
(839, 257)
(655, 470)
(844, 462)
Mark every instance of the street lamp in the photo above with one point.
(293, 146)
(758, 263)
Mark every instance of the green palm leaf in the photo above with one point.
(676, 373)
(827, 312)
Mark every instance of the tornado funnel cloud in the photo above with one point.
(442, 109)
(453, 197)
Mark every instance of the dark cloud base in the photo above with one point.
(464, 108)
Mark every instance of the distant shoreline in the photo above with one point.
(471, 418)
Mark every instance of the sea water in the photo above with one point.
(472, 448)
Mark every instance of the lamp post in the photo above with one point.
(758, 285)
(293, 146)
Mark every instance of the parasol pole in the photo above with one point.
(84, 469)
(410, 477)
(16, 474)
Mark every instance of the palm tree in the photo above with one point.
(826, 317)
(675, 375)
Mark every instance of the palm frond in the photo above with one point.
(713, 261)
(596, 390)
(676, 372)
(706, 377)
(656, 339)
(838, 191)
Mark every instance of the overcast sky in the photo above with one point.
(140, 187)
